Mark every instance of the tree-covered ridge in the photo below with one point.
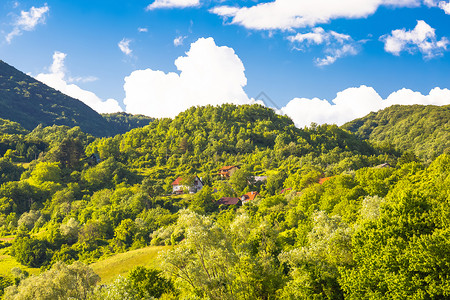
(203, 139)
(423, 130)
(123, 122)
(30, 103)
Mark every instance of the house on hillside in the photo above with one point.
(285, 190)
(260, 178)
(93, 160)
(325, 179)
(227, 171)
(229, 201)
(250, 196)
(385, 165)
(178, 186)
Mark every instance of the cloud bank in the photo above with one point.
(291, 14)
(208, 74)
(421, 39)
(355, 103)
(27, 21)
(57, 80)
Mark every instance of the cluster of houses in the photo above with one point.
(225, 173)
(179, 187)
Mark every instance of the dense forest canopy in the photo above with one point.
(422, 130)
(336, 216)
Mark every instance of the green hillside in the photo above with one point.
(423, 130)
(334, 217)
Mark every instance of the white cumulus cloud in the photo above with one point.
(422, 38)
(28, 20)
(124, 46)
(289, 14)
(355, 103)
(173, 4)
(57, 80)
(208, 74)
(336, 45)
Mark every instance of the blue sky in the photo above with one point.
(318, 60)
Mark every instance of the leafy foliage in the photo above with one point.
(424, 130)
(62, 281)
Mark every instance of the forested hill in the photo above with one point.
(332, 217)
(203, 138)
(423, 130)
(30, 103)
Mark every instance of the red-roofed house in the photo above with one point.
(250, 196)
(322, 180)
(178, 187)
(227, 171)
(229, 201)
(285, 190)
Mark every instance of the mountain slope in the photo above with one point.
(30, 103)
(424, 130)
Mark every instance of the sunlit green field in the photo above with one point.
(120, 264)
(7, 262)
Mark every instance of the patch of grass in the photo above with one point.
(7, 262)
(120, 264)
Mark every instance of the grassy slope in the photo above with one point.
(122, 263)
(7, 262)
(108, 269)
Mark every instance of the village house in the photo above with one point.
(325, 179)
(385, 165)
(93, 159)
(229, 201)
(250, 196)
(227, 171)
(285, 190)
(178, 187)
(260, 178)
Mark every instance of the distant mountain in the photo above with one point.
(423, 130)
(30, 103)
